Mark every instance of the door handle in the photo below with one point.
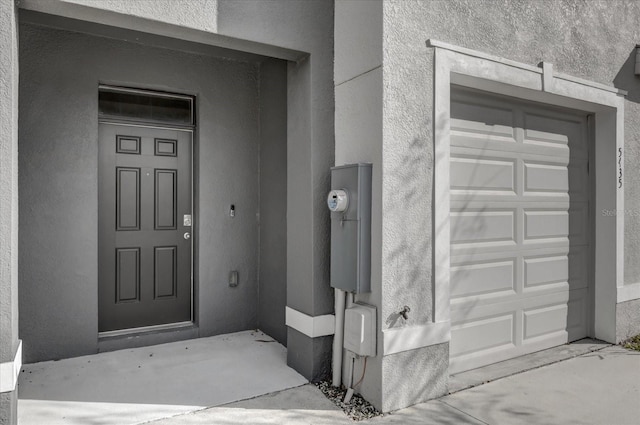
(187, 235)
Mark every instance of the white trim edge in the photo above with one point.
(9, 371)
(628, 292)
(397, 340)
(481, 55)
(311, 326)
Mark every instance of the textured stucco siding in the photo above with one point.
(8, 201)
(8, 182)
(58, 182)
(358, 133)
(590, 40)
(197, 14)
(627, 319)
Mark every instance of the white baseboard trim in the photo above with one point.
(397, 340)
(311, 326)
(628, 292)
(9, 371)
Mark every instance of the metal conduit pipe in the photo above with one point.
(338, 337)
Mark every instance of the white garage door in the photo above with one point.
(519, 216)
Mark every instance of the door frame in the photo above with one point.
(468, 68)
(187, 129)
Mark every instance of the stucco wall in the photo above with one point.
(8, 202)
(627, 320)
(591, 40)
(358, 122)
(272, 290)
(60, 72)
(198, 14)
(9, 183)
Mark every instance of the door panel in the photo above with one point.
(145, 261)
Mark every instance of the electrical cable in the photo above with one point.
(364, 370)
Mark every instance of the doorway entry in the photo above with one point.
(145, 216)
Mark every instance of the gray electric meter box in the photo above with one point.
(350, 204)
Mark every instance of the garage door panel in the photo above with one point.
(545, 270)
(545, 177)
(483, 278)
(483, 334)
(549, 223)
(556, 130)
(477, 226)
(545, 320)
(519, 220)
(468, 140)
(482, 174)
(483, 120)
(541, 129)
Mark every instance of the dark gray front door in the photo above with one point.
(144, 226)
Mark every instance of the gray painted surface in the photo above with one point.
(58, 182)
(305, 26)
(627, 320)
(358, 41)
(311, 356)
(272, 290)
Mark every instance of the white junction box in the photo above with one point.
(360, 329)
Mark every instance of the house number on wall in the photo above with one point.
(619, 168)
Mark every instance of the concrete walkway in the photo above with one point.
(177, 384)
(142, 384)
(600, 387)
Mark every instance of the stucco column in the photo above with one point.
(8, 212)
(308, 292)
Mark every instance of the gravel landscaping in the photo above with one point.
(357, 408)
